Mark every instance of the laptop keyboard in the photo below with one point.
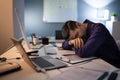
(42, 62)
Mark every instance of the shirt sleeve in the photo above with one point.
(66, 46)
(92, 44)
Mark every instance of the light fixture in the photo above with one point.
(98, 3)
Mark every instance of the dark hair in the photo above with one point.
(69, 25)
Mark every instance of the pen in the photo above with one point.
(62, 59)
(103, 76)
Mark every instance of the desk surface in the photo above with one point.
(27, 73)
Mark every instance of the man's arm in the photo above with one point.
(77, 42)
(66, 46)
(92, 45)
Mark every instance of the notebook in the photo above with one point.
(38, 63)
(72, 58)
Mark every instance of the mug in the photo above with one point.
(35, 40)
(45, 40)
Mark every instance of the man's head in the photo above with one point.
(72, 29)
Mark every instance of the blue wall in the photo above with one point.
(34, 20)
(34, 16)
(19, 6)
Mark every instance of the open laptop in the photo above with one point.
(29, 45)
(58, 36)
(38, 63)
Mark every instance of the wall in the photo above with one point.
(19, 6)
(6, 25)
(114, 7)
(34, 20)
(34, 16)
(86, 9)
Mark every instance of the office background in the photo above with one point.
(35, 9)
(34, 23)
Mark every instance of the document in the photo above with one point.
(77, 73)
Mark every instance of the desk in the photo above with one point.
(27, 73)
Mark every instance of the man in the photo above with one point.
(90, 39)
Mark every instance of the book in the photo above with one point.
(8, 67)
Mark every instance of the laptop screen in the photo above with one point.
(22, 51)
(58, 35)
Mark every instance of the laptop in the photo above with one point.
(29, 45)
(58, 36)
(38, 63)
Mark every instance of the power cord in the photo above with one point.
(2, 59)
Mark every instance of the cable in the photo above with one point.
(14, 58)
(2, 59)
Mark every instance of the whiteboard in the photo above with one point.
(59, 10)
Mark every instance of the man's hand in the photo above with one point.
(77, 42)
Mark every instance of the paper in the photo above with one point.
(66, 52)
(77, 73)
(49, 49)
